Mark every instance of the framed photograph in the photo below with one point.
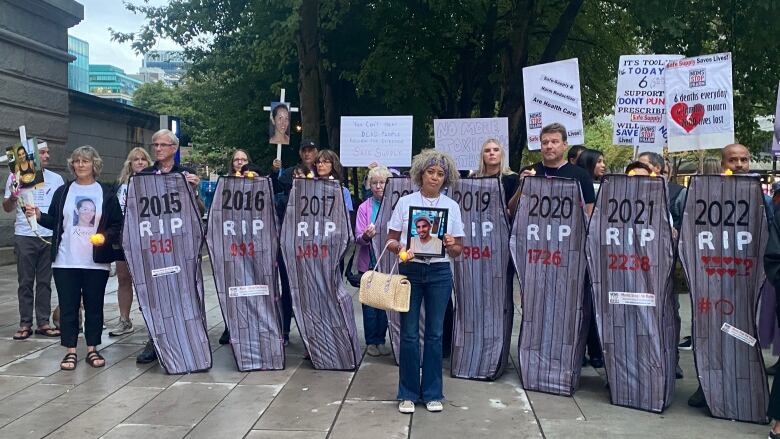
(427, 226)
(279, 125)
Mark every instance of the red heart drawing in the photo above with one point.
(738, 261)
(687, 118)
(716, 260)
(710, 271)
(728, 260)
(705, 260)
(721, 271)
(731, 272)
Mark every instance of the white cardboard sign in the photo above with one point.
(383, 139)
(552, 94)
(699, 102)
(776, 136)
(463, 138)
(640, 108)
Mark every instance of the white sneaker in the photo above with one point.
(384, 350)
(434, 406)
(373, 350)
(406, 406)
(122, 328)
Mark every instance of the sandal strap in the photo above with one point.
(70, 358)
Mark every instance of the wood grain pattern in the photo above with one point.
(172, 304)
(554, 325)
(638, 341)
(725, 284)
(482, 327)
(243, 242)
(315, 235)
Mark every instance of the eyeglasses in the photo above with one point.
(324, 162)
(161, 145)
(377, 183)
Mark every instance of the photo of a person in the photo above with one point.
(279, 126)
(25, 166)
(85, 213)
(425, 231)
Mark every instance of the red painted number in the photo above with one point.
(544, 257)
(311, 251)
(623, 262)
(476, 253)
(161, 246)
(242, 249)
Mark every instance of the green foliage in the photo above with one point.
(598, 135)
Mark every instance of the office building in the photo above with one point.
(78, 69)
(112, 83)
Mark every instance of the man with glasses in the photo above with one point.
(164, 146)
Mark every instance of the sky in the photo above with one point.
(99, 15)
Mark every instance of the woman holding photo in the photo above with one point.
(430, 277)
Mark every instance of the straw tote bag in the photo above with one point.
(385, 291)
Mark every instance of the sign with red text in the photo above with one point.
(722, 243)
(381, 139)
(548, 249)
(463, 138)
(640, 105)
(315, 235)
(699, 102)
(552, 94)
(243, 242)
(630, 260)
(484, 309)
(162, 238)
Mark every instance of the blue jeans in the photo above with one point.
(374, 324)
(431, 284)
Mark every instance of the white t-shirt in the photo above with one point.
(434, 245)
(42, 199)
(122, 196)
(80, 218)
(400, 219)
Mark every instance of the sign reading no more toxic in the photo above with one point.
(463, 138)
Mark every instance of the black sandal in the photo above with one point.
(24, 333)
(48, 331)
(92, 357)
(69, 361)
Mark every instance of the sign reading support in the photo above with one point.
(243, 242)
(547, 245)
(722, 242)
(640, 113)
(483, 288)
(630, 258)
(162, 238)
(463, 138)
(699, 102)
(383, 139)
(315, 235)
(552, 94)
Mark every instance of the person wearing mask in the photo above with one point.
(374, 320)
(431, 280)
(80, 211)
(33, 256)
(136, 161)
(328, 166)
(164, 145)
(494, 162)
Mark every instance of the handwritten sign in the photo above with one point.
(699, 102)
(482, 328)
(162, 238)
(315, 235)
(630, 258)
(722, 243)
(243, 242)
(552, 94)
(547, 245)
(463, 138)
(383, 139)
(640, 104)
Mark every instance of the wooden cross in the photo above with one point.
(270, 110)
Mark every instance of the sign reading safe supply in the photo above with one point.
(547, 245)
(395, 188)
(722, 243)
(162, 239)
(631, 257)
(243, 243)
(315, 235)
(483, 289)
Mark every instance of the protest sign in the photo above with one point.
(162, 238)
(463, 138)
(547, 244)
(640, 112)
(722, 242)
(243, 243)
(382, 139)
(484, 310)
(630, 259)
(315, 235)
(552, 94)
(699, 102)
(776, 137)
(395, 188)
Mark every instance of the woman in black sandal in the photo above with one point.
(86, 220)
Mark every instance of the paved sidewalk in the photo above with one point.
(125, 400)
